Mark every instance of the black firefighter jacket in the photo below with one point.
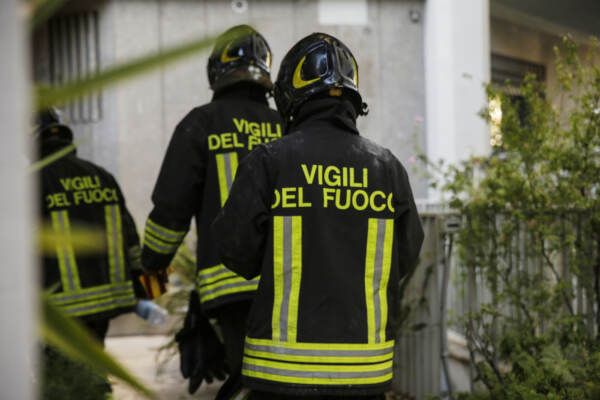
(194, 180)
(94, 261)
(327, 218)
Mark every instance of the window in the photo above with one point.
(513, 69)
(74, 53)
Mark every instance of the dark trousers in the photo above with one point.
(232, 322)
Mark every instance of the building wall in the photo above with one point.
(389, 49)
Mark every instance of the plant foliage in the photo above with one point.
(531, 238)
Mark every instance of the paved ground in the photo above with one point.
(138, 355)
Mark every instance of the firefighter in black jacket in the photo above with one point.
(327, 219)
(92, 270)
(194, 181)
(79, 198)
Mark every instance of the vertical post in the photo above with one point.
(17, 375)
(457, 65)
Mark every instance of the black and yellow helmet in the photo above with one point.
(48, 125)
(241, 54)
(316, 64)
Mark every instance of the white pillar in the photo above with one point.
(17, 373)
(457, 65)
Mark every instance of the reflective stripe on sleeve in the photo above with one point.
(160, 239)
(287, 272)
(219, 281)
(97, 306)
(135, 257)
(377, 270)
(64, 251)
(227, 164)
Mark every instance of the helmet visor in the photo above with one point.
(347, 67)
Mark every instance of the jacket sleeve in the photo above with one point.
(409, 231)
(240, 228)
(177, 194)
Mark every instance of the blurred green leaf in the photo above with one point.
(44, 162)
(70, 338)
(83, 239)
(53, 96)
(42, 10)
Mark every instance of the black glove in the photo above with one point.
(202, 355)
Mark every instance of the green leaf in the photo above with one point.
(71, 339)
(44, 162)
(52, 96)
(42, 10)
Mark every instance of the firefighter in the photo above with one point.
(194, 181)
(93, 272)
(327, 218)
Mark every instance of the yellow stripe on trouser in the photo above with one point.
(377, 271)
(227, 164)
(287, 272)
(219, 281)
(64, 249)
(114, 235)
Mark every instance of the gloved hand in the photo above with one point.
(202, 355)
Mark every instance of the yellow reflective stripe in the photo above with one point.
(369, 273)
(320, 359)
(385, 275)
(67, 263)
(377, 269)
(209, 275)
(96, 306)
(92, 293)
(227, 164)
(152, 244)
(240, 288)
(114, 234)
(322, 346)
(219, 281)
(319, 374)
(295, 277)
(277, 275)
(135, 257)
(164, 233)
(317, 381)
(319, 367)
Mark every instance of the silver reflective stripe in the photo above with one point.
(167, 249)
(318, 374)
(228, 175)
(112, 289)
(154, 227)
(65, 254)
(116, 243)
(228, 286)
(287, 278)
(377, 272)
(95, 306)
(221, 271)
(320, 353)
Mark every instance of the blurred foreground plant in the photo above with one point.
(63, 333)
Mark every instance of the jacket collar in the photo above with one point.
(243, 91)
(334, 111)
